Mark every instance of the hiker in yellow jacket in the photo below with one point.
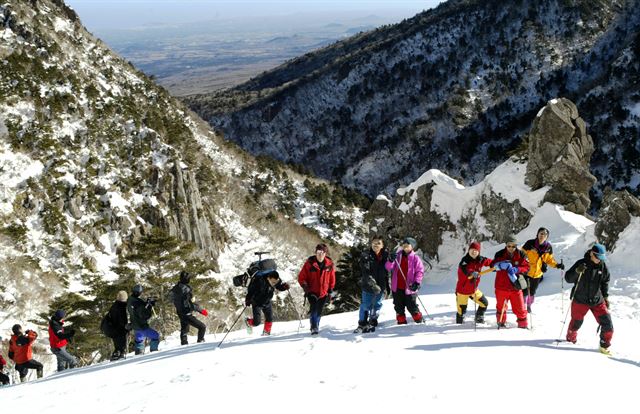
(540, 255)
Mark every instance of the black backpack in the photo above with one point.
(106, 326)
(257, 268)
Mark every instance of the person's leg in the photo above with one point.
(501, 307)
(268, 319)
(313, 300)
(461, 307)
(479, 298)
(199, 325)
(184, 330)
(519, 308)
(375, 311)
(365, 306)
(4, 379)
(578, 310)
(139, 338)
(602, 315)
(398, 306)
(154, 336)
(320, 307)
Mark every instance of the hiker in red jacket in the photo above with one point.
(512, 263)
(21, 353)
(468, 280)
(318, 279)
(58, 338)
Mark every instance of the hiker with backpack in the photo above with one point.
(468, 281)
(318, 279)
(4, 378)
(511, 264)
(590, 293)
(59, 336)
(21, 352)
(140, 311)
(114, 326)
(540, 255)
(182, 295)
(259, 295)
(374, 279)
(407, 272)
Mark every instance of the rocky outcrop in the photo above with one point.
(559, 153)
(419, 222)
(616, 211)
(503, 219)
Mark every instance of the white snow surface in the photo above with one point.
(436, 365)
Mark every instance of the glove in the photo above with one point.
(305, 288)
(544, 267)
(415, 286)
(503, 265)
(606, 302)
(311, 296)
(581, 268)
(560, 266)
(285, 286)
(392, 256)
(151, 301)
(512, 273)
(204, 312)
(475, 275)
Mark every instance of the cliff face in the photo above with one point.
(454, 88)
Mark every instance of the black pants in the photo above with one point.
(23, 369)
(4, 379)
(266, 309)
(120, 343)
(190, 320)
(402, 300)
(532, 283)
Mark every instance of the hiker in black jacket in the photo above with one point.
(183, 300)
(118, 324)
(140, 311)
(259, 295)
(374, 279)
(590, 293)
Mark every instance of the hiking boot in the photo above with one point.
(605, 351)
(572, 336)
(249, 323)
(417, 317)
(502, 324)
(362, 327)
(401, 319)
(459, 318)
(314, 331)
(265, 333)
(529, 309)
(373, 322)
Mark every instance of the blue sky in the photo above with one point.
(128, 14)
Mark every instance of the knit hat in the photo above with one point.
(323, 247)
(185, 276)
(60, 313)
(411, 241)
(121, 296)
(599, 251)
(137, 290)
(474, 245)
(16, 329)
(511, 239)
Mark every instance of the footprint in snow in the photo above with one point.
(181, 378)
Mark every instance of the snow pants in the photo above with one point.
(141, 335)
(23, 369)
(462, 301)
(370, 306)
(256, 314)
(190, 320)
(316, 305)
(517, 306)
(602, 315)
(65, 359)
(532, 283)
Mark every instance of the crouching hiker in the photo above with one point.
(182, 295)
(468, 280)
(20, 351)
(407, 272)
(4, 378)
(58, 339)
(374, 278)
(590, 293)
(259, 295)
(140, 312)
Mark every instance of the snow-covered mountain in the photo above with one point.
(454, 88)
(94, 155)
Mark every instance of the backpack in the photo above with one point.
(257, 268)
(106, 326)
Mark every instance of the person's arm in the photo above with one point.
(571, 275)
(332, 278)
(303, 277)
(604, 284)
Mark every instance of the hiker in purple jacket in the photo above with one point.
(407, 271)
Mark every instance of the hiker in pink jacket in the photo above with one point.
(407, 275)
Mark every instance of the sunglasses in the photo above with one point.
(320, 252)
(511, 246)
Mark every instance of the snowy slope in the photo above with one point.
(441, 367)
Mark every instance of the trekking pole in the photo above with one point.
(475, 305)
(529, 314)
(504, 309)
(234, 324)
(562, 288)
(567, 314)
(407, 284)
(296, 309)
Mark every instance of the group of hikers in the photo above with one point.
(396, 272)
